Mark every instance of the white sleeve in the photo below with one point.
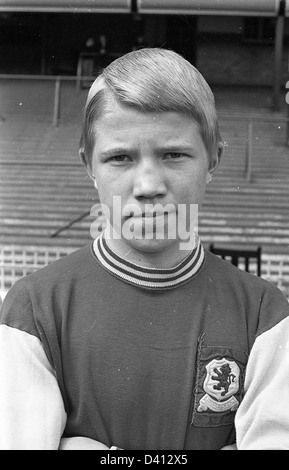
(262, 420)
(32, 414)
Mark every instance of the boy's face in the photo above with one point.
(146, 159)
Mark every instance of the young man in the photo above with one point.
(143, 340)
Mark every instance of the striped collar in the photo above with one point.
(150, 278)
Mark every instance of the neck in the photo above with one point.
(166, 259)
(156, 276)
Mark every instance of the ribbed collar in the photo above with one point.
(150, 278)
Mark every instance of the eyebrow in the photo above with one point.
(178, 146)
(113, 150)
(165, 148)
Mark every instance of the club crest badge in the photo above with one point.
(221, 383)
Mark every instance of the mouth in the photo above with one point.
(150, 222)
(148, 214)
(153, 215)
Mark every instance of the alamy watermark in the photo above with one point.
(147, 222)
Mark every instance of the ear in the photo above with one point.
(215, 161)
(86, 163)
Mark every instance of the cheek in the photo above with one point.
(194, 183)
(110, 191)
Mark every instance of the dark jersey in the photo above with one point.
(146, 359)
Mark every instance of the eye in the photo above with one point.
(119, 159)
(174, 155)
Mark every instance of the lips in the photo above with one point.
(153, 215)
(138, 214)
(148, 212)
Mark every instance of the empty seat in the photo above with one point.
(240, 257)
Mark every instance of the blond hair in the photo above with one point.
(152, 80)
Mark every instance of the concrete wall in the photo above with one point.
(234, 63)
(226, 56)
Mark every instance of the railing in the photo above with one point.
(57, 89)
(249, 137)
(248, 154)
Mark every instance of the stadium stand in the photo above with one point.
(46, 196)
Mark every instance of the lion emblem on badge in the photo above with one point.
(225, 377)
(220, 385)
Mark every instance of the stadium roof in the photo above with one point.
(184, 7)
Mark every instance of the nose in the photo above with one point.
(149, 181)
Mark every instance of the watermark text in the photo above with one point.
(146, 222)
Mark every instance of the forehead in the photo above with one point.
(122, 123)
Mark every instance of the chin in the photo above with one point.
(152, 246)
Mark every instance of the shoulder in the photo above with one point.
(43, 289)
(257, 294)
(71, 269)
(59, 277)
(68, 266)
(227, 272)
